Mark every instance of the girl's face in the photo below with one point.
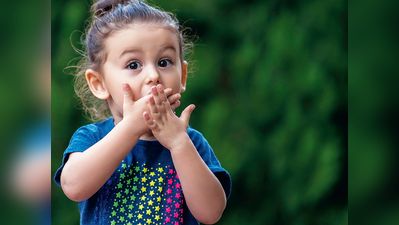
(142, 56)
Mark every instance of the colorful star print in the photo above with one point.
(146, 195)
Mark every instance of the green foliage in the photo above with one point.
(270, 86)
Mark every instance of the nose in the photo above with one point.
(153, 75)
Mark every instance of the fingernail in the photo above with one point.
(125, 86)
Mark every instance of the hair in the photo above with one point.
(109, 16)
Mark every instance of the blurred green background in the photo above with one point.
(270, 82)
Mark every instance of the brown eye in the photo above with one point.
(164, 63)
(134, 65)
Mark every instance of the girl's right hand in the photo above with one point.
(133, 110)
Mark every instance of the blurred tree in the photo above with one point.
(270, 86)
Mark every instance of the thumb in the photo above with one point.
(185, 115)
(127, 93)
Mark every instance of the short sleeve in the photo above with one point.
(81, 140)
(210, 159)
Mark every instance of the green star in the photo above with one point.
(136, 179)
(120, 185)
(130, 215)
(113, 213)
(132, 197)
(124, 166)
(122, 210)
(137, 169)
(122, 218)
(131, 172)
(126, 191)
(129, 223)
(113, 222)
(122, 175)
(115, 204)
(134, 188)
(124, 201)
(130, 206)
(118, 195)
(128, 181)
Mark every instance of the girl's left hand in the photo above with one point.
(166, 127)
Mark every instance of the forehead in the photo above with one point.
(142, 38)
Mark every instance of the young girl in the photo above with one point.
(143, 165)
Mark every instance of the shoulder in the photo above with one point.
(97, 129)
(195, 135)
(89, 134)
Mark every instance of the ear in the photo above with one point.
(184, 77)
(96, 85)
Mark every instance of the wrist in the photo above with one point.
(180, 142)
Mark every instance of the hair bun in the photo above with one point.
(103, 7)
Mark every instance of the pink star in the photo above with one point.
(170, 171)
(178, 195)
(167, 219)
(170, 181)
(176, 223)
(169, 201)
(177, 205)
(176, 215)
(177, 177)
(177, 185)
(168, 210)
(169, 191)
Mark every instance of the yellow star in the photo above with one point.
(142, 198)
(152, 183)
(152, 174)
(145, 170)
(150, 202)
(160, 179)
(140, 216)
(151, 193)
(159, 199)
(141, 207)
(157, 208)
(149, 221)
(148, 212)
(160, 189)
(160, 170)
(157, 217)
(143, 189)
(144, 179)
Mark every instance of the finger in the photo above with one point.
(185, 115)
(174, 98)
(157, 98)
(154, 109)
(168, 92)
(149, 121)
(164, 100)
(127, 93)
(174, 105)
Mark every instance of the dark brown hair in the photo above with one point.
(109, 16)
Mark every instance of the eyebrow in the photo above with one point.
(130, 51)
(139, 50)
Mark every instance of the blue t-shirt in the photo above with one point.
(145, 188)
